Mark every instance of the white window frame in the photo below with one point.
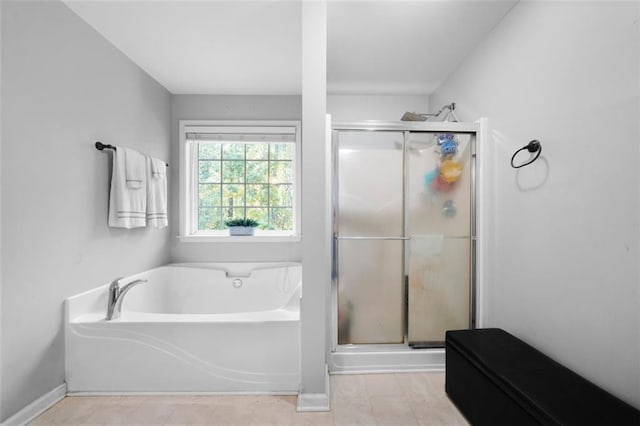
(188, 181)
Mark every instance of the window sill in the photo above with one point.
(244, 239)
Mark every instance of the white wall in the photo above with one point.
(63, 88)
(564, 245)
(228, 107)
(374, 107)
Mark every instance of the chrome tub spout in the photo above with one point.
(116, 295)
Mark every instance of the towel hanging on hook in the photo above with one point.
(533, 146)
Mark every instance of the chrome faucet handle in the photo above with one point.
(116, 281)
(113, 294)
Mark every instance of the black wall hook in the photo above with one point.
(532, 147)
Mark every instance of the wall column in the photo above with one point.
(316, 261)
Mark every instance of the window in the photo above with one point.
(235, 170)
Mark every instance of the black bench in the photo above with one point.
(495, 378)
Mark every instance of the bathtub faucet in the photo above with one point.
(116, 294)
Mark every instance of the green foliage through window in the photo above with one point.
(246, 181)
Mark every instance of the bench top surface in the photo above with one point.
(550, 391)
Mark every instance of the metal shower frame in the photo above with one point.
(406, 127)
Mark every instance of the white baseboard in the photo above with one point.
(387, 361)
(171, 393)
(37, 407)
(314, 402)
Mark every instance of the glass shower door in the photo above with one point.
(369, 234)
(439, 206)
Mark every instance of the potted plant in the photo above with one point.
(241, 226)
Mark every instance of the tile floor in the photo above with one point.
(372, 399)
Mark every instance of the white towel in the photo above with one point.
(158, 167)
(127, 207)
(156, 193)
(135, 169)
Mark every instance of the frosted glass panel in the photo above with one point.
(439, 287)
(439, 224)
(370, 184)
(370, 291)
(439, 185)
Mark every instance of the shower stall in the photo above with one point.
(404, 242)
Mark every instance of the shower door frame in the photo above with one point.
(472, 129)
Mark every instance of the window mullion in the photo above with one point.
(269, 186)
(245, 181)
(222, 219)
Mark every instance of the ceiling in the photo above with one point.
(206, 47)
(254, 46)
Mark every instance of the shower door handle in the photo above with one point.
(372, 238)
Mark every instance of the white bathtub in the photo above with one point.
(230, 328)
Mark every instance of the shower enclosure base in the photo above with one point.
(385, 359)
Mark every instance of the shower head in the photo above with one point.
(413, 116)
